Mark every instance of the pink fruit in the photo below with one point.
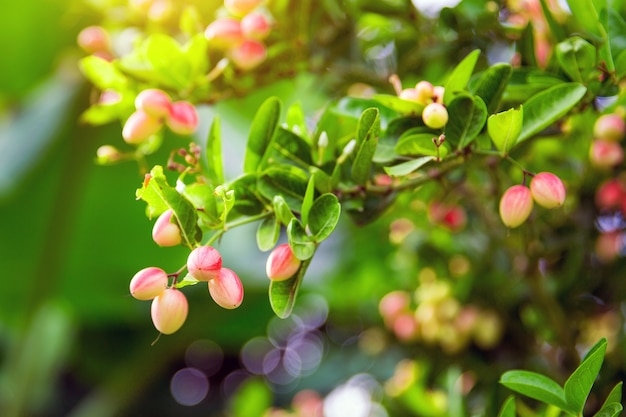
(165, 231)
(255, 25)
(604, 154)
(169, 311)
(153, 102)
(94, 39)
(204, 263)
(242, 7)
(547, 190)
(425, 92)
(435, 115)
(226, 289)
(393, 304)
(224, 33)
(248, 54)
(148, 283)
(610, 194)
(182, 118)
(282, 263)
(139, 127)
(409, 94)
(515, 205)
(609, 127)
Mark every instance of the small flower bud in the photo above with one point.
(183, 118)
(165, 231)
(224, 33)
(249, 54)
(169, 311)
(226, 289)
(148, 283)
(255, 25)
(94, 39)
(242, 7)
(282, 263)
(139, 127)
(547, 190)
(107, 154)
(605, 155)
(609, 127)
(435, 115)
(204, 263)
(153, 102)
(515, 205)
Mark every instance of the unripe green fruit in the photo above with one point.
(604, 154)
(516, 205)
(249, 54)
(139, 127)
(609, 127)
(169, 311)
(226, 289)
(282, 263)
(435, 115)
(224, 33)
(165, 232)
(255, 25)
(148, 283)
(182, 118)
(204, 263)
(547, 190)
(153, 102)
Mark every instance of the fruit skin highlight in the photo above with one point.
(148, 283)
(547, 190)
(154, 102)
(183, 118)
(282, 263)
(165, 232)
(204, 263)
(169, 311)
(516, 205)
(435, 115)
(226, 289)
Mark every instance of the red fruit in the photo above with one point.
(139, 127)
(153, 102)
(224, 33)
(255, 25)
(165, 231)
(515, 205)
(182, 118)
(204, 263)
(610, 194)
(604, 154)
(248, 54)
(435, 115)
(393, 304)
(148, 283)
(282, 263)
(451, 217)
(609, 127)
(169, 311)
(226, 289)
(94, 39)
(547, 190)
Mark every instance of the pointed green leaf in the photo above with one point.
(296, 121)
(168, 61)
(160, 196)
(556, 29)
(460, 76)
(578, 385)
(324, 216)
(508, 408)
(248, 201)
(267, 233)
(490, 85)
(408, 167)
(615, 396)
(283, 293)
(419, 144)
(261, 132)
(548, 106)
(282, 210)
(577, 58)
(214, 167)
(586, 15)
(536, 386)
(402, 106)
(467, 118)
(287, 181)
(307, 202)
(186, 282)
(504, 128)
(288, 148)
(610, 410)
(102, 73)
(301, 244)
(367, 133)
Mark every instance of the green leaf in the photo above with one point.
(556, 29)
(195, 52)
(324, 216)
(296, 121)
(586, 15)
(577, 58)
(287, 181)
(282, 210)
(160, 196)
(267, 233)
(283, 293)
(204, 200)
(536, 386)
(548, 106)
(288, 148)
(307, 201)
(419, 144)
(261, 132)
(398, 104)
(301, 244)
(508, 408)
(578, 385)
(102, 73)
(615, 396)
(460, 76)
(504, 128)
(367, 133)
(408, 167)
(491, 84)
(467, 118)
(616, 28)
(252, 398)
(186, 282)
(168, 61)
(248, 201)
(610, 410)
(620, 64)
(214, 166)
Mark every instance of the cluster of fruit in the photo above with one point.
(435, 114)
(606, 152)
